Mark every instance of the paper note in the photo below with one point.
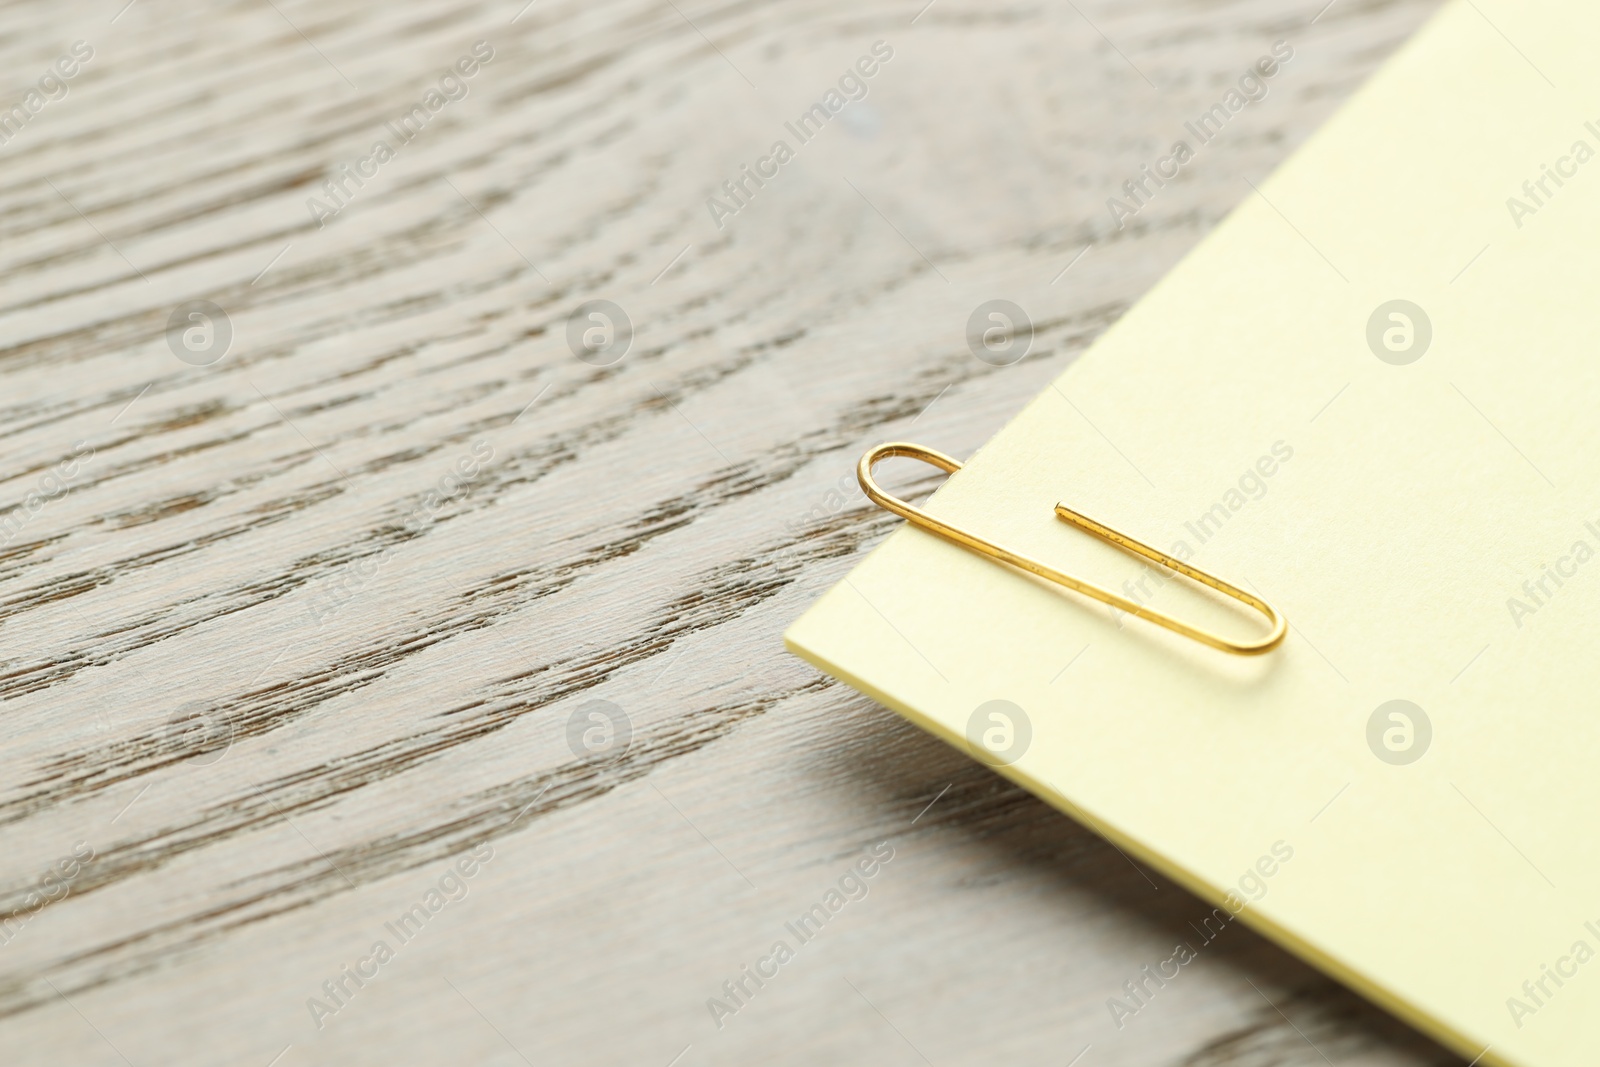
(1373, 396)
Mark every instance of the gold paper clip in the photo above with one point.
(918, 517)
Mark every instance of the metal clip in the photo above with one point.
(918, 517)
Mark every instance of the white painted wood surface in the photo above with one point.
(280, 691)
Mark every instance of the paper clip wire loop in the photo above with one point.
(918, 517)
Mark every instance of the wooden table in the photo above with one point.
(310, 598)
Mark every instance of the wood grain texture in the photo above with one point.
(280, 665)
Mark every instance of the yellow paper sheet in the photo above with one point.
(1396, 530)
